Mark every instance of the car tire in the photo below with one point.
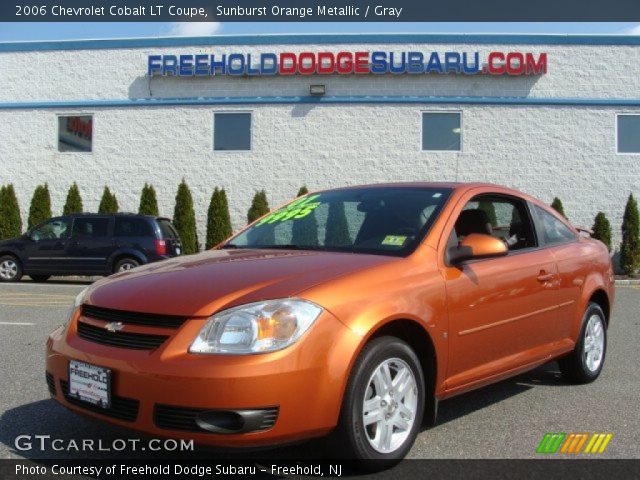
(125, 264)
(40, 278)
(585, 363)
(10, 269)
(372, 410)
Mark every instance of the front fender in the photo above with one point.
(367, 301)
(11, 250)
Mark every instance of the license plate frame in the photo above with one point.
(90, 383)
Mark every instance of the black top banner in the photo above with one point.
(320, 11)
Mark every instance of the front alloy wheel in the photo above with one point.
(383, 405)
(389, 407)
(10, 269)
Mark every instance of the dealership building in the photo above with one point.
(550, 115)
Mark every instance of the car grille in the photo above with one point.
(184, 418)
(132, 318)
(121, 408)
(140, 341)
(51, 383)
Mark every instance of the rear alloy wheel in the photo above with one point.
(383, 405)
(585, 363)
(125, 264)
(40, 278)
(10, 269)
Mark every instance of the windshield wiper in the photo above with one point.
(282, 247)
(229, 245)
(289, 246)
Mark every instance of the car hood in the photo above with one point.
(199, 285)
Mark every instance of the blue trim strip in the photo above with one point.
(306, 39)
(163, 102)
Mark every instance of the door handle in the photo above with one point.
(544, 276)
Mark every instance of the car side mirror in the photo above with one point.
(477, 246)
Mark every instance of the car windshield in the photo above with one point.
(379, 220)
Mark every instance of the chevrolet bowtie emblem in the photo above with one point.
(114, 326)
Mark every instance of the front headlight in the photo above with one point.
(256, 327)
(76, 303)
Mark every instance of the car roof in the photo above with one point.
(449, 185)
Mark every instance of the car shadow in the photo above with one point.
(47, 417)
(468, 403)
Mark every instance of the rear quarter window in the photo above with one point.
(553, 230)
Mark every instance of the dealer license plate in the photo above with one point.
(90, 383)
(178, 250)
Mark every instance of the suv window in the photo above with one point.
(553, 230)
(132, 227)
(91, 227)
(54, 229)
(166, 228)
(500, 216)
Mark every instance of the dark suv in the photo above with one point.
(88, 244)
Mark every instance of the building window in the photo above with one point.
(628, 130)
(232, 131)
(75, 133)
(441, 131)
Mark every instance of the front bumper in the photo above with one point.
(299, 388)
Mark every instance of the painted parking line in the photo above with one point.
(42, 285)
(19, 299)
(17, 323)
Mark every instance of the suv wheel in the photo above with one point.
(383, 405)
(125, 264)
(10, 269)
(585, 363)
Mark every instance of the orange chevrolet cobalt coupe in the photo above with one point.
(348, 311)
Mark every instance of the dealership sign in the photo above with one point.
(347, 63)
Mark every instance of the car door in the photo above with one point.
(90, 244)
(574, 263)
(501, 310)
(45, 250)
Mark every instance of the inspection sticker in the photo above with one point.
(394, 240)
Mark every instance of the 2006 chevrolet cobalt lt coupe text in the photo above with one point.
(350, 311)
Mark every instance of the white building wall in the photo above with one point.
(547, 151)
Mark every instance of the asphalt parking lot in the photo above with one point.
(506, 420)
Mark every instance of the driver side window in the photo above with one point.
(55, 229)
(501, 217)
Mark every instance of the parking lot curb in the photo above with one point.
(628, 281)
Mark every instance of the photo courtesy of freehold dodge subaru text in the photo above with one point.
(319, 239)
